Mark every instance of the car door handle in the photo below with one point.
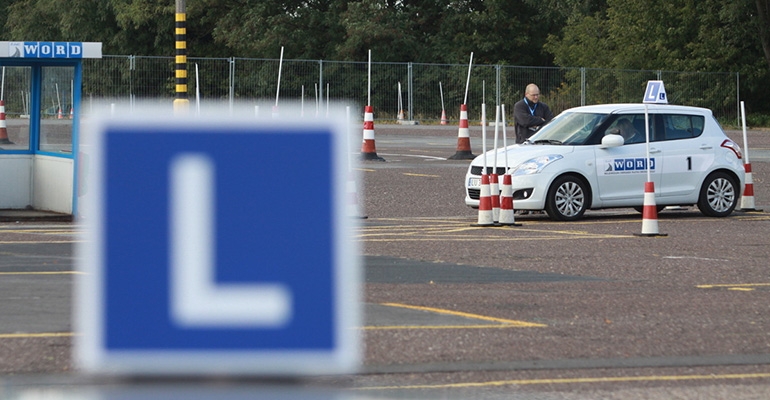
(654, 150)
(706, 147)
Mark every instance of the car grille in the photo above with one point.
(475, 170)
(474, 193)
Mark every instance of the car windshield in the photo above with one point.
(569, 128)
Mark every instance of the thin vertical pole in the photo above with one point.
(181, 103)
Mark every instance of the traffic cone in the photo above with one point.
(485, 204)
(463, 137)
(650, 212)
(368, 151)
(400, 115)
(61, 116)
(3, 127)
(72, 113)
(494, 190)
(506, 203)
(747, 201)
(444, 121)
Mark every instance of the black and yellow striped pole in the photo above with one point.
(181, 103)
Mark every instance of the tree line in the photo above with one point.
(676, 35)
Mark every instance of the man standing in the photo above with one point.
(530, 114)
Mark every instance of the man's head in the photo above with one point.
(532, 93)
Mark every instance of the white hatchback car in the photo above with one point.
(595, 157)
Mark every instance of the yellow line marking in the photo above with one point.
(467, 315)
(427, 327)
(35, 335)
(741, 289)
(422, 175)
(733, 285)
(601, 379)
(365, 169)
(43, 273)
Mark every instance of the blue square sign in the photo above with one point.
(218, 246)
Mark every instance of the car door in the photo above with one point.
(686, 155)
(622, 171)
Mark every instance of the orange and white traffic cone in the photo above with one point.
(61, 116)
(485, 217)
(747, 200)
(507, 217)
(3, 126)
(650, 212)
(463, 137)
(444, 121)
(400, 116)
(494, 189)
(368, 148)
(72, 113)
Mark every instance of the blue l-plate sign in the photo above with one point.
(219, 246)
(655, 93)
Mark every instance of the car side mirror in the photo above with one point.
(612, 140)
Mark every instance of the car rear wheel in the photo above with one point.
(567, 199)
(718, 195)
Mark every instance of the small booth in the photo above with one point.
(40, 106)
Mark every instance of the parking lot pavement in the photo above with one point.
(545, 310)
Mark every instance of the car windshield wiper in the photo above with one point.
(548, 141)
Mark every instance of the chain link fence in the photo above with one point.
(420, 92)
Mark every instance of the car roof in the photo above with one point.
(639, 107)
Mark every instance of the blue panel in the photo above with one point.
(274, 207)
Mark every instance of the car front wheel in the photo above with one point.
(718, 195)
(567, 199)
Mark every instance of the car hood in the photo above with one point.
(519, 153)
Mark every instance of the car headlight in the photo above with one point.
(535, 165)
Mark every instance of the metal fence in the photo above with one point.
(414, 88)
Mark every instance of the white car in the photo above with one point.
(586, 158)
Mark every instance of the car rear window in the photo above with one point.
(679, 126)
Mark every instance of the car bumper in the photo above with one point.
(529, 191)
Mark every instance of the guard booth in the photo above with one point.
(39, 119)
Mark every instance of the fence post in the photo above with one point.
(131, 68)
(738, 98)
(582, 86)
(320, 83)
(409, 88)
(231, 95)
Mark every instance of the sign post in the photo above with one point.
(654, 94)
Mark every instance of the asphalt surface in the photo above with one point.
(544, 310)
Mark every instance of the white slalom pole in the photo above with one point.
(400, 116)
(506, 197)
(197, 91)
(2, 86)
(441, 90)
(317, 107)
(494, 184)
(369, 81)
(278, 90)
(58, 97)
(505, 143)
(468, 81)
(745, 137)
(747, 200)
(485, 217)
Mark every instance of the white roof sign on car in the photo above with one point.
(655, 93)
